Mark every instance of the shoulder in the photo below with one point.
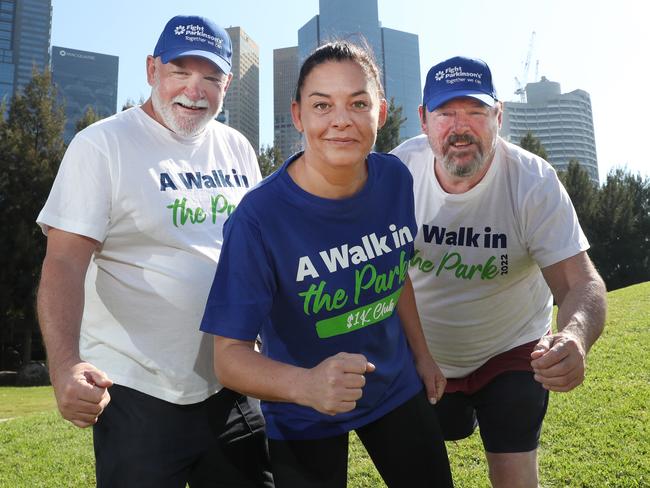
(416, 154)
(414, 147)
(106, 133)
(388, 165)
(529, 167)
(233, 136)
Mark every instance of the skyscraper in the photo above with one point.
(285, 75)
(25, 28)
(242, 102)
(396, 52)
(84, 79)
(562, 122)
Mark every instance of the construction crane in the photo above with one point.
(521, 84)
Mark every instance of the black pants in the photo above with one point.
(405, 445)
(141, 441)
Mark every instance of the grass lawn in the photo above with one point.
(18, 402)
(597, 436)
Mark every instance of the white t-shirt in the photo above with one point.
(476, 269)
(157, 203)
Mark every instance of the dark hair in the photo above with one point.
(339, 51)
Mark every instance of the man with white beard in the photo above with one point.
(134, 227)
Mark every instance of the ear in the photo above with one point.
(227, 83)
(151, 69)
(295, 116)
(423, 118)
(383, 113)
(500, 114)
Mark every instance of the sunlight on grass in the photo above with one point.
(596, 436)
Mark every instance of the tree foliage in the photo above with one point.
(532, 144)
(616, 220)
(269, 159)
(88, 118)
(388, 136)
(31, 148)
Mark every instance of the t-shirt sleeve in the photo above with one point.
(80, 198)
(241, 295)
(552, 230)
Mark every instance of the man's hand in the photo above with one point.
(335, 385)
(558, 361)
(432, 377)
(81, 393)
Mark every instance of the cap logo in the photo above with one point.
(196, 33)
(456, 74)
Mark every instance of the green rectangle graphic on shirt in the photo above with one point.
(359, 318)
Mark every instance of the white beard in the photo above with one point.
(181, 125)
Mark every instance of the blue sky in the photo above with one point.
(595, 45)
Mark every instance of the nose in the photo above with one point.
(341, 118)
(194, 89)
(461, 122)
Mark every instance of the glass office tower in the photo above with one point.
(396, 53)
(25, 28)
(84, 79)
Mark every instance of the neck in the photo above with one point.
(327, 182)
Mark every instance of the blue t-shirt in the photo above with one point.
(315, 277)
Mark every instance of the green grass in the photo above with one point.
(597, 436)
(21, 401)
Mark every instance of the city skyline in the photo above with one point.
(588, 45)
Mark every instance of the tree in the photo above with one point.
(584, 195)
(132, 103)
(89, 117)
(623, 230)
(269, 159)
(532, 144)
(31, 147)
(388, 136)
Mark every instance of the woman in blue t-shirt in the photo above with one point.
(315, 262)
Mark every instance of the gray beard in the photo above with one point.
(166, 112)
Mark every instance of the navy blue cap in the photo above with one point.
(195, 36)
(458, 77)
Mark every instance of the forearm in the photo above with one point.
(582, 311)
(240, 368)
(60, 307)
(408, 314)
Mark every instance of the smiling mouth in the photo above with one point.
(342, 140)
(190, 107)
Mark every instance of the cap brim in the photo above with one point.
(434, 103)
(179, 53)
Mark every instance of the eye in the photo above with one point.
(360, 104)
(216, 81)
(321, 106)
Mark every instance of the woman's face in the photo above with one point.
(339, 114)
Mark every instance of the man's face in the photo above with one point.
(186, 93)
(463, 134)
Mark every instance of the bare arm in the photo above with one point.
(80, 388)
(559, 359)
(433, 379)
(332, 387)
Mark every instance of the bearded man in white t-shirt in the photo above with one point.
(498, 240)
(134, 229)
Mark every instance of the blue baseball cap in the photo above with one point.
(458, 77)
(191, 35)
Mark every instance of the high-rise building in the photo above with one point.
(84, 79)
(285, 75)
(242, 102)
(396, 53)
(562, 122)
(25, 28)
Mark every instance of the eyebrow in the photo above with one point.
(319, 94)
